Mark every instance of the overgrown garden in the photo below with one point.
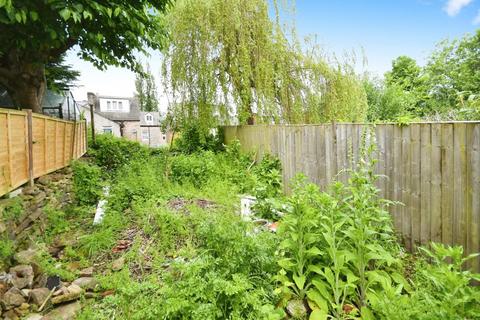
(173, 245)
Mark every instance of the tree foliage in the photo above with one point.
(227, 60)
(34, 33)
(59, 75)
(447, 87)
(146, 90)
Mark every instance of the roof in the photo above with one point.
(133, 115)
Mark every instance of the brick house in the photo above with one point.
(122, 116)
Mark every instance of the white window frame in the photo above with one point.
(108, 130)
(145, 135)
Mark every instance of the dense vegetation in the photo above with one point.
(173, 216)
(447, 87)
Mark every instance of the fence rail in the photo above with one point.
(432, 168)
(32, 145)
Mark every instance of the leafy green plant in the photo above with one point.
(111, 152)
(339, 247)
(87, 182)
(193, 139)
(441, 289)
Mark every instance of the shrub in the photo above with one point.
(192, 139)
(195, 169)
(87, 182)
(111, 153)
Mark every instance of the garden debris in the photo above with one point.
(73, 293)
(180, 204)
(53, 282)
(118, 264)
(266, 225)
(246, 204)
(297, 309)
(122, 245)
(100, 211)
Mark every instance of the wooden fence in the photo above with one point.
(432, 168)
(32, 145)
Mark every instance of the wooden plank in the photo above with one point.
(397, 178)
(406, 188)
(29, 145)
(447, 178)
(415, 184)
(436, 184)
(474, 241)
(459, 187)
(425, 184)
(389, 157)
(321, 156)
(9, 147)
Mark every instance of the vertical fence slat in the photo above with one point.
(475, 187)
(447, 178)
(425, 183)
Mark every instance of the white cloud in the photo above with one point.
(476, 21)
(453, 7)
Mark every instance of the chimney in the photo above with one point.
(92, 98)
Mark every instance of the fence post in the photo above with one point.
(92, 121)
(30, 146)
(86, 135)
(74, 139)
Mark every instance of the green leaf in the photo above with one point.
(367, 314)
(87, 15)
(18, 17)
(315, 296)
(322, 288)
(299, 281)
(2, 3)
(65, 13)
(318, 314)
(117, 11)
(33, 15)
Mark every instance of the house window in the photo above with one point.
(149, 118)
(107, 130)
(114, 103)
(120, 105)
(109, 106)
(145, 135)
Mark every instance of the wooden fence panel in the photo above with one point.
(52, 144)
(433, 169)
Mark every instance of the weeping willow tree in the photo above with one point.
(227, 62)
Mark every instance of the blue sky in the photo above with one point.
(382, 29)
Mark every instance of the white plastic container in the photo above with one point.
(246, 204)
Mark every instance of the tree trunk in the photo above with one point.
(25, 84)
